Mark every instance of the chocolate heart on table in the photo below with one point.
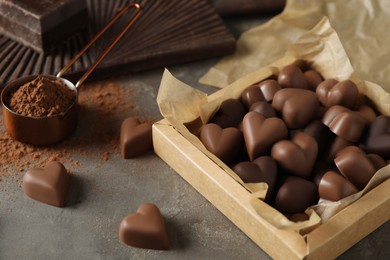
(356, 166)
(261, 133)
(345, 123)
(262, 169)
(135, 138)
(313, 78)
(229, 114)
(334, 187)
(145, 229)
(263, 108)
(297, 106)
(295, 195)
(268, 88)
(226, 143)
(331, 92)
(251, 95)
(377, 138)
(297, 155)
(49, 185)
(291, 76)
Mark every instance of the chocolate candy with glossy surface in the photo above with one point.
(261, 133)
(49, 185)
(251, 95)
(331, 92)
(291, 76)
(226, 143)
(145, 229)
(135, 138)
(263, 108)
(377, 138)
(268, 88)
(295, 195)
(297, 106)
(334, 186)
(313, 78)
(297, 155)
(229, 114)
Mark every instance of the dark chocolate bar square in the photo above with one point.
(42, 24)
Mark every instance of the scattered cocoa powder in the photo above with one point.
(103, 106)
(42, 97)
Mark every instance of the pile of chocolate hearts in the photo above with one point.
(306, 137)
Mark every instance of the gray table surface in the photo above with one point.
(103, 192)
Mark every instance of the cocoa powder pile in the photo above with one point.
(42, 97)
(103, 106)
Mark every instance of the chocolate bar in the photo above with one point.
(42, 25)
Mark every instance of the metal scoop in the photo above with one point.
(52, 129)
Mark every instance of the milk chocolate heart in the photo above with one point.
(261, 133)
(226, 143)
(297, 106)
(334, 187)
(295, 195)
(331, 92)
(298, 155)
(229, 114)
(377, 138)
(49, 185)
(135, 138)
(313, 78)
(345, 123)
(354, 164)
(251, 95)
(145, 229)
(334, 146)
(291, 76)
(263, 108)
(268, 88)
(263, 169)
(321, 134)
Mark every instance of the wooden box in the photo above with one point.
(326, 241)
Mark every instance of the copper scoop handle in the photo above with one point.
(97, 36)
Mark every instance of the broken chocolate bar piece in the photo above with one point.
(42, 25)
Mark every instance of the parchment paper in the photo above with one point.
(361, 24)
(187, 108)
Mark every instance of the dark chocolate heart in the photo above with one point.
(263, 169)
(331, 92)
(49, 185)
(345, 123)
(297, 106)
(145, 229)
(298, 155)
(334, 187)
(229, 114)
(291, 76)
(226, 143)
(295, 195)
(321, 134)
(261, 133)
(135, 138)
(377, 138)
(355, 165)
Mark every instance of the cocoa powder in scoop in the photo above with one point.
(42, 97)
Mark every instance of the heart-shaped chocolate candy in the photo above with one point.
(292, 76)
(334, 187)
(229, 114)
(298, 155)
(268, 88)
(262, 169)
(331, 92)
(356, 166)
(261, 133)
(297, 106)
(251, 95)
(313, 78)
(377, 138)
(135, 138)
(345, 123)
(321, 134)
(264, 109)
(295, 195)
(145, 229)
(49, 185)
(226, 143)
